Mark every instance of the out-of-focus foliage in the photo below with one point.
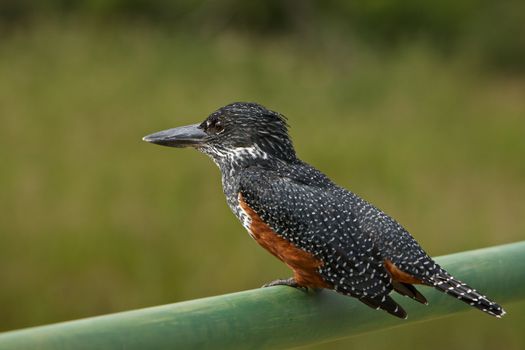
(492, 30)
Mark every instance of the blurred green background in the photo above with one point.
(418, 107)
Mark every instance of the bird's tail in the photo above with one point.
(444, 282)
(385, 303)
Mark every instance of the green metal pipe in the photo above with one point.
(277, 317)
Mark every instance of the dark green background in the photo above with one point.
(418, 108)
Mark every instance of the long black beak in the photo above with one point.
(184, 136)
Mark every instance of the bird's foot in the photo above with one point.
(291, 282)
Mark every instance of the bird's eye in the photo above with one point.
(219, 127)
(214, 127)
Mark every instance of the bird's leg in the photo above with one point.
(291, 282)
(282, 282)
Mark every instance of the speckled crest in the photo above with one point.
(240, 126)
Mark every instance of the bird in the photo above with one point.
(328, 236)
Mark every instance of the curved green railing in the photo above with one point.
(276, 317)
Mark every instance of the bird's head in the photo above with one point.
(238, 132)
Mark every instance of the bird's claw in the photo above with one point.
(291, 282)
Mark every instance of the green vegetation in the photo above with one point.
(270, 318)
(96, 221)
(492, 31)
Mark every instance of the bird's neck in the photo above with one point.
(232, 161)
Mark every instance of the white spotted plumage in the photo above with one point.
(351, 237)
